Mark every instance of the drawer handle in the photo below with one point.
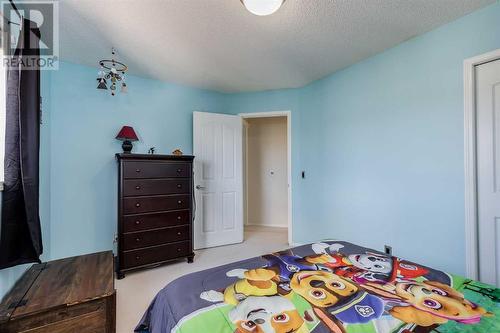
(137, 257)
(179, 202)
(137, 187)
(138, 205)
(137, 170)
(137, 222)
(179, 217)
(178, 249)
(179, 233)
(137, 239)
(179, 170)
(179, 185)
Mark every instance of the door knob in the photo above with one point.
(199, 187)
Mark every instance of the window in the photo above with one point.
(3, 95)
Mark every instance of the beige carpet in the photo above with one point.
(135, 292)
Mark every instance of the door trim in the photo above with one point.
(471, 218)
(288, 115)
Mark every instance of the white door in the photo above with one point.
(218, 179)
(488, 170)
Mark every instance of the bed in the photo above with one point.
(332, 286)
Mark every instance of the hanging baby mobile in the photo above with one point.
(113, 72)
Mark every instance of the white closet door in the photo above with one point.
(488, 168)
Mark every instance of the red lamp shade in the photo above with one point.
(127, 133)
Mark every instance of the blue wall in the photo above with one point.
(84, 123)
(381, 143)
(306, 213)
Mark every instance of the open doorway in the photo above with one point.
(266, 169)
(220, 180)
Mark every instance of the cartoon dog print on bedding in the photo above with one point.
(274, 314)
(337, 297)
(254, 282)
(273, 279)
(434, 303)
(285, 264)
(368, 266)
(428, 303)
(332, 297)
(341, 289)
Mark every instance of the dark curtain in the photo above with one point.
(20, 232)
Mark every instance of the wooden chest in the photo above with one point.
(69, 295)
(155, 210)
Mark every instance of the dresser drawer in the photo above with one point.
(155, 237)
(156, 170)
(133, 223)
(155, 212)
(134, 187)
(134, 205)
(155, 254)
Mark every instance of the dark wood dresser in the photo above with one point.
(155, 210)
(63, 296)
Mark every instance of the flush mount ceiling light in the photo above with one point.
(262, 7)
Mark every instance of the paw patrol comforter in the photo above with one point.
(323, 287)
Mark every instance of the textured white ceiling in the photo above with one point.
(217, 44)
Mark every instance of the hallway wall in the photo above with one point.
(267, 166)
